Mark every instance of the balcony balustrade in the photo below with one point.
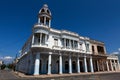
(37, 44)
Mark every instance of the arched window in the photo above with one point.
(48, 11)
(42, 10)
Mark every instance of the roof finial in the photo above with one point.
(45, 5)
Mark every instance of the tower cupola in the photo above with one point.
(44, 17)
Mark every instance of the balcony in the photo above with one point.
(42, 45)
(69, 32)
(100, 54)
(38, 25)
(69, 48)
(56, 47)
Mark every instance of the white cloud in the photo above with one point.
(1, 57)
(7, 57)
(115, 52)
(118, 49)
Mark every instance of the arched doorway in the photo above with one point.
(57, 66)
(81, 66)
(73, 66)
(47, 66)
(66, 67)
(40, 67)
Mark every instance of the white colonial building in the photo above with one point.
(52, 51)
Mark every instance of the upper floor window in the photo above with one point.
(67, 43)
(62, 40)
(43, 38)
(37, 38)
(87, 47)
(75, 44)
(81, 46)
(71, 43)
(93, 49)
(100, 49)
(55, 42)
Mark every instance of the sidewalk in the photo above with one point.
(63, 75)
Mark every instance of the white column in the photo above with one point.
(115, 65)
(44, 20)
(45, 38)
(39, 20)
(78, 65)
(118, 65)
(111, 65)
(98, 66)
(37, 64)
(60, 64)
(107, 66)
(49, 23)
(40, 38)
(85, 64)
(69, 43)
(64, 42)
(78, 45)
(73, 44)
(91, 64)
(49, 63)
(103, 65)
(33, 39)
(70, 64)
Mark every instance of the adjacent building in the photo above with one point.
(52, 51)
(1, 62)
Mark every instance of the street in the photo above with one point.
(7, 74)
(10, 75)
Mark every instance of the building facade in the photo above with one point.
(52, 51)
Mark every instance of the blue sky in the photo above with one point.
(97, 19)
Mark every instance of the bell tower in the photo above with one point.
(44, 16)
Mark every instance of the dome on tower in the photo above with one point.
(45, 10)
(44, 16)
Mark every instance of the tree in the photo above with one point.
(11, 66)
(3, 66)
